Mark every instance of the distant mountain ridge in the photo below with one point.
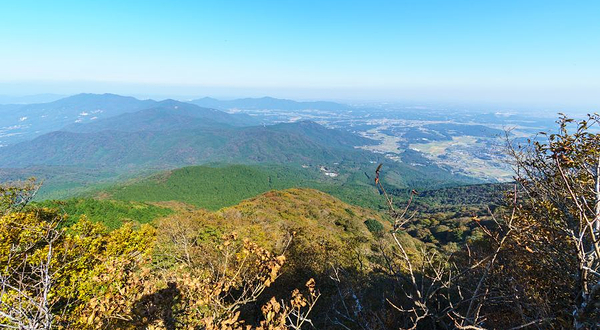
(268, 103)
(181, 140)
(29, 99)
(22, 122)
(165, 115)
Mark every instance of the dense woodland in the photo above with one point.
(290, 254)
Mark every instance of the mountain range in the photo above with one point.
(179, 147)
(165, 115)
(172, 133)
(127, 137)
(268, 103)
(21, 122)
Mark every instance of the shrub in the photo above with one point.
(374, 226)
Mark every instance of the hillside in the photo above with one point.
(176, 147)
(325, 227)
(24, 122)
(444, 215)
(113, 214)
(216, 186)
(324, 136)
(163, 116)
(21, 122)
(277, 211)
(211, 187)
(62, 182)
(318, 220)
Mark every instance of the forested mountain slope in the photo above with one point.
(21, 122)
(188, 146)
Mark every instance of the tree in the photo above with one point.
(26, 272)
(14, 196)
(559, 220)
(53, 276)
(27, 275)
(438, 290)
(217, 276)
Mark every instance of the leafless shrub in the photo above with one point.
(437, 291)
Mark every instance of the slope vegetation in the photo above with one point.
(20, 122)
(171, 139)
(324, 228)
(211, 187)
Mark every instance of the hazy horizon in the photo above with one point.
(416, 164)
(538, 54)
(551, 110)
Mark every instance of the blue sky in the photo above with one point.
(527, 52)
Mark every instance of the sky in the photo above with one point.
(509, 52)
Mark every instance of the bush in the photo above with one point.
(374, 226)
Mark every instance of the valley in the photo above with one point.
(145, 160)
(467, 142)
(300, 165)
(305, 178)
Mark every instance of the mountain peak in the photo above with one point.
(207, 98)
(171, 103)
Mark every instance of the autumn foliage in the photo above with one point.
(85, 276)
(299, 258)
